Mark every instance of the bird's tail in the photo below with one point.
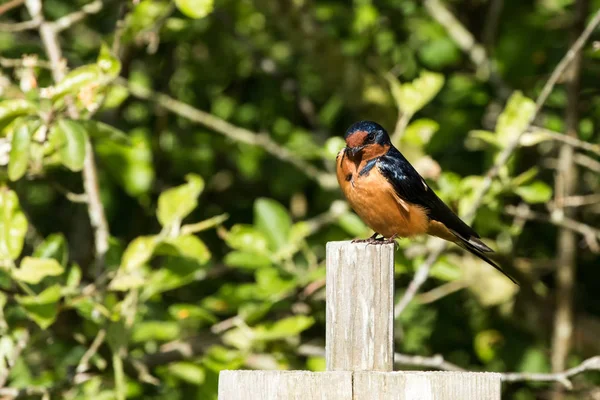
(478, 248)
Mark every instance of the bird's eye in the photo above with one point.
(371, 137)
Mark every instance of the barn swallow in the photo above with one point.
(390, 196)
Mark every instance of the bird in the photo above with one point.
(392, 198)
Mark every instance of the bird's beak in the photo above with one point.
(355, 150)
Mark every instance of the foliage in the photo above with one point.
(218, 207)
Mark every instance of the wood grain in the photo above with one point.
(435, 385)
(285, 385)
(360, 301)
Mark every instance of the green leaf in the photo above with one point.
(525, 177)
(420, 132)
(195, 8)
(68, 138)
(246, 238)
(188, 372)
(73, 81)
(130, 165)
(131, 274)
(176, 203)
(352, 224)
(74, 276)
(54, 246)
(273, 220)
(411, 97)
(486, 344)
(284, 328)
(332, 147)
(138, 252)
(188, 246)
(100, 131)
(478, 139)
(191, 312)
(33, 270)
(19, 152)
(146, 331)
(127, 280)
(515, 117)
(42, 308)
(535, 192)
(13, 225)
(11, 109)
(108, 63)
(247, 260)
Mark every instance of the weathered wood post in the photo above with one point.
(360, 307)
(359, 345)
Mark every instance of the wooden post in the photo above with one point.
(434, 385)
(359, 345)
(360, 307)
(285, 385)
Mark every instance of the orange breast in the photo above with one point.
(375, 201)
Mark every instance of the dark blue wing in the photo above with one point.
(410, 186)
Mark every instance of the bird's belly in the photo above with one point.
(373, 200)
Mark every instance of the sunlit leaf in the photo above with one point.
(13, 225)
(19, 152)
(273, 220)
(486, 344)
(176, 203)
(75, 80)
(412, 96)
(33, 270)
(420, 132)
(155, 330)
(188, 372)
(333, 146)
(191, 312)
(535, 192)
(188, 246)
(54, 246)
(195, 8)
(108, 63)
(515, 117)
(11, 109)
(480, 139)
(100, 131)
(352, 224)
(42, 308)
(246, 238)
(138, 252)
(284, 328)
(248, 260)
(130, 165)
(74, 276)
(68, 138)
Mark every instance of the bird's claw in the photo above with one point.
(374, 240)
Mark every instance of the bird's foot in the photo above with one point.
(391, 239)
(371, 240)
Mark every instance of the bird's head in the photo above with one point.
(367, 136)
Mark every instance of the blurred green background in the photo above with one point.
(215, 128)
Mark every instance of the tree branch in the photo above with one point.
(326, 180)
(570, 140)
(566, 185)
(10, 5)
(90, 177)
(21, 341)
(590, 234)
(71, 19)
(19, 26)
(591, 364)
(465, 40)
(423, 271)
